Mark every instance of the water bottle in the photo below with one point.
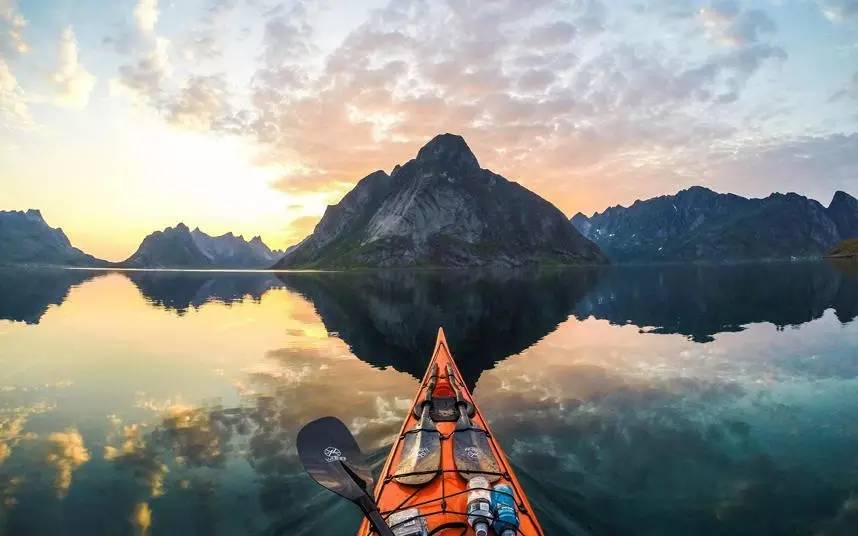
(506, 511)
(479, 505)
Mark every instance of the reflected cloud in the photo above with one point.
(134, 454)
(65, 452)
(12, 423)
(141, 519)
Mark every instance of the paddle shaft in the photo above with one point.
(370, 510)
(464, 405)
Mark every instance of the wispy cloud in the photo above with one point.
(71, 79)
(14, 24)
(146, 15)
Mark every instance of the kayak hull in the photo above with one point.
(442, 501)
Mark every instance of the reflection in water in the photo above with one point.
(120, 416)
(66, 452)
(181, 290)
(701, 301)
(25, 295)
(388, 318)
(392, 318)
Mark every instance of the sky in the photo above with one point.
(251, 116)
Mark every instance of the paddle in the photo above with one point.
(421, 448)
(332, 457)
(472, 453)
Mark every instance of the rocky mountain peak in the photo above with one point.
(842, 197)
(448, 150)
(441, 209)
(35, 215)
(843, 210)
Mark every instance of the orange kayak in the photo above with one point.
(438, 489)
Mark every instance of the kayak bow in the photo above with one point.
(441, 497)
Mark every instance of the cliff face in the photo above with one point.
(25, 238)
(699, 224)
(441, 209)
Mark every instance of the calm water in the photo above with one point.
(696, 400)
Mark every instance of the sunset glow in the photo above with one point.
(119, 118)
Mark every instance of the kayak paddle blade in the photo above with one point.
(332, 457)
(421, 453)
(472, 452)
(473, 455)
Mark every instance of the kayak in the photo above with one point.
(444, 445)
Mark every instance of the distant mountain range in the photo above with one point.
(25, 238)
(698, 224)
(179, 247)
(441, 209)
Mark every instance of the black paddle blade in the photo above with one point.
(331, 455)
(473, 455)
(421, 453)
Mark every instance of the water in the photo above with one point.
(644, 400)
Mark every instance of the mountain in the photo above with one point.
(179, 247)
(698, 224)
(441, 209)
(843, 211)
(25, 238)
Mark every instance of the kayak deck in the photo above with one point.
(442, 501)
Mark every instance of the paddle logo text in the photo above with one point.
(333, 454)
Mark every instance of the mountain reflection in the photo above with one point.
(25, 295)
(391, 318)
(702, 301)
(182, 290)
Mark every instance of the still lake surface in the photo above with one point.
(631, 400)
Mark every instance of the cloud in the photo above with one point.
(850, 92)
(15, 24)
(200, 103)
(729, 24)
(13, 103)
(146, 15)
(553, 94)
(551, 35)
(71, 80)
(66, 452)
(146, 75)
(839, 10)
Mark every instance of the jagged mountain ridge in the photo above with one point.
(25, 238)
(179, 247)
(441, 209)
(698, 224)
